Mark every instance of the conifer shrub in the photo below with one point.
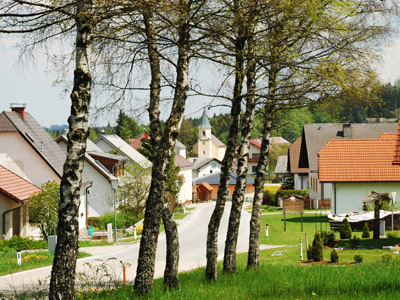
(317, 251)
(365, 231)
(309, 252)
(358, 258)
(334, 256)
(345, 230)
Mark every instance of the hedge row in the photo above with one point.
(271, 198)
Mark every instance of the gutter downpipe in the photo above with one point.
(4, 218)
(87, 203)
(334, 193)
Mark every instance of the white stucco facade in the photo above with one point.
(212, 167)
(19, 157)
(185, 192)
(348, 196)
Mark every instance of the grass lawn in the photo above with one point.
(280, 275)
(29, 260)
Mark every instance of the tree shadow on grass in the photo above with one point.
(306, 219)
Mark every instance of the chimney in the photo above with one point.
(346, 130)
(19, 108)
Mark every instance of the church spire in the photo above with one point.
(204, 122)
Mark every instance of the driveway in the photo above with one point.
(192, 236)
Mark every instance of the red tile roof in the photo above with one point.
(365, 160)
(15, 187)
(181, 161)
(137, 143)
(396, 155)
(255, 143)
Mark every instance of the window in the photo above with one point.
(210, 171)
(213, 165)
(254, 169)
(255, 155)
(204, 152)
(204, 133)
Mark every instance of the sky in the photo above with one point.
(33, 84)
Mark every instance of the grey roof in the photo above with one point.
(281, 164)
(38, 138)
(199, 162)
(127, 150)
(92, 147)
(179, 145)
(214, 178)
(316, 136)
(204, 122)
(92, 160)
(181, 161)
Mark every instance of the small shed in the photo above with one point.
(204, 192)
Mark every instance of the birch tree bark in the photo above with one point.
(163, 143)
(213, 225)
(242, 167)
(62, 283)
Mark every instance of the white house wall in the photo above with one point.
(18, 156)
(349, 196)
(186, 189)
(208, 169)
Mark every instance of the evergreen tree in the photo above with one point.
(317, 251)
(334, 256)
(365, 231)
(345, 230)
(127, 127)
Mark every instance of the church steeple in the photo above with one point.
(204, 122)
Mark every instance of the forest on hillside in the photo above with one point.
(384, 102)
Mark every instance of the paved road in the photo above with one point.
(192, 235)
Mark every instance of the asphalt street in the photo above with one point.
(192, 237)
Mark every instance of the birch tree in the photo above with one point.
(42, 22)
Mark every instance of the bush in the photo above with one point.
(345, 230)
(358, 258)
(386, 257)
(94, 221)
(365, 231)
(309, 253)
(269, 198)
(393, 234)
(328, 237)
(17, 242)
(316, 251)
(334, 256)
(124, 220)
(354, 242)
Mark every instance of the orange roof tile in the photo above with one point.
(15, 187)
(368, 160)
(396, 155)
(387, 136)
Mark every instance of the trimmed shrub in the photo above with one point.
(309, 252)
(358, 258)
(334, 256)
(365, 231)
(317, 251)
(328, 237)
(124, 220)
(17, 242)
(345, 230)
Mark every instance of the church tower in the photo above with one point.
(204, 142)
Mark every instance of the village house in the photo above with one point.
(102, 168)
(316, 136)
(357, 167)
(28, 151)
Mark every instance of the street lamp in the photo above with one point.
(393, 201)
(114, 186)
